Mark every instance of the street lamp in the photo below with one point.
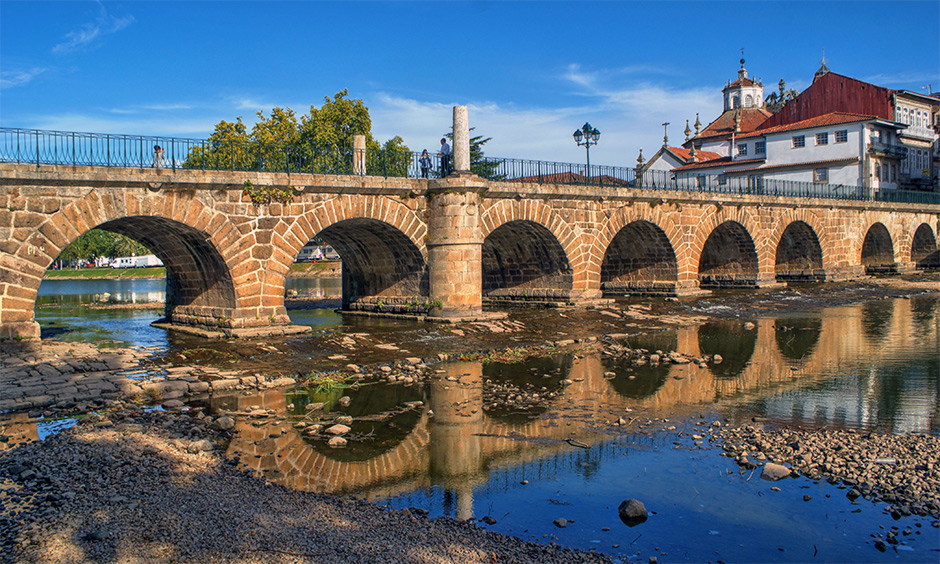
(587, 136)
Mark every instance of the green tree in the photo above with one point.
(227, 148)
(321, 142)
(101, 243)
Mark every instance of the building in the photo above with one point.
(840, 131)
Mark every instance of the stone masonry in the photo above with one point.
(442, 247)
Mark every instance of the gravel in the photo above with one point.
(137, 486)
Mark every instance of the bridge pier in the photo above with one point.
(455, 247)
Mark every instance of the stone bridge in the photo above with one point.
(435, 248)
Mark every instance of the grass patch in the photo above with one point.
(91, 273)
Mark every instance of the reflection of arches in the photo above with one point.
(799, 254)
(640, 257)
(386, 432)
(925, 308)
(728, 258)
(646, 379)
(378, 260)
(924, 252)
(797, 337)
(876, 316)
(878, 250)
(536, 373)
(523, 258)
(730, 339)
(196, 275)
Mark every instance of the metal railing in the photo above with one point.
(134, 151)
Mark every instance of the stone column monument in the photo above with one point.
(455, 235)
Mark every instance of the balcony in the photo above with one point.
(880, 149)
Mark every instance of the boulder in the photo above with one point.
(774, 472)
(632, 512)
(337, 430)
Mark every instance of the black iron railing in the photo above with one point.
(95, 149)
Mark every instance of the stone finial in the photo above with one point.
(692, 152)
(687, 131)
(461, 139)
(697, 124)
(737, 120)
(666, 134)
(640, 160)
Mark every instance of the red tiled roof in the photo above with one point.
(834, 118)
(741, 82)
(751, 119)
(804, 164)
(700, 156)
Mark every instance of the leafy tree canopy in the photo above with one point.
(319, 142)
(101, 243)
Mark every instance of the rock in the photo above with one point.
(632, 512)
(172, 404)
(202, 445)
(224, 423)
(337, 442)
(488, 520)
(316, 406)
(561, 522)
(344, 420)
(338, 430)
(774, 472)
(344, 401)
(717, 359)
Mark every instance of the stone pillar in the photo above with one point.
(461, 140)
(359, 154)
(455, 247)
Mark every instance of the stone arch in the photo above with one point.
(188, 237)
(877, 253)
(728, 257)
(381, 242)
(924, 251)
(799, 255)
(663, 223)
(563, 277)
(639, 259)
(523, 260)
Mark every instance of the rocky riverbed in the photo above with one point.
(135, 485)
(153, 486)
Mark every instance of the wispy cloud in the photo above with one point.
(9, 79)
(904, 78)
(86, 35)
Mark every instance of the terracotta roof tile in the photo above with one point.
(751, 119)
(833, 118)
(700, 156)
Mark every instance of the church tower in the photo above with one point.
(743, 92)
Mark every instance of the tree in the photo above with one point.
(479, 164)
(101, 243)
(226, 148)
(321, 142)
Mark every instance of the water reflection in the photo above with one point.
(806, 369)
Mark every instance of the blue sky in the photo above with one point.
(530, 72)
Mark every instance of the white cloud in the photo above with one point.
(9, 79)
(628, 118)
(84, 36)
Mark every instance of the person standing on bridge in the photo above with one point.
(445, 157)
(157, 156)
(425, 163)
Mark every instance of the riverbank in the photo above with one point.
(320, 269)
(138, 486)
(131, 484)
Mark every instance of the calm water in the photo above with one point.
(63, 311)
(870, 366)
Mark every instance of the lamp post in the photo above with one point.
(587, 136)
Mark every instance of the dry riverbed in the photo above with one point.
(132, 485)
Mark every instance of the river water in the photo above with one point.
(872, 366)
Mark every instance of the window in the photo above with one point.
(799, 141)
(760, 147)
(742, 148)
(842, 136)
(748, 101)
(821, 175)
(822, 138)
(722, 179)
(878, 171)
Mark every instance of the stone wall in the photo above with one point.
(441, 244)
